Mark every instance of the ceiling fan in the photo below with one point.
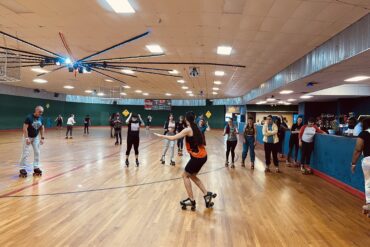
(99, 66)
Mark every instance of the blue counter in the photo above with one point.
(332, 157)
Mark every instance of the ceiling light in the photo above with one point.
(270, 99)
(286, 92)
(128, 71)
(121, 6)
(145, 94)
(189, 92)
(69, 87)
(217, 82)
(88, 91)
(180, 81)
(185, 87)
(108, 80)
(168, 94)
(216, 88)
(67, 60)
(191, 95)
(138, 91)
(281, 102)
(214, 93)
(261, 102)
(173, 72)
(38, 80)
(291, 100)
(306, 96)
(154, 48)
(219, 73)
(123, 93)
(40, 70)
(287, 103)
(126, 86)
(224, 50)
(357, 78)
(100, 94)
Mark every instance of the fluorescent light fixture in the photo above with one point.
(214, 93)
(224, 50)
(138, 91)
(121, 6)
(39, 80)
(180, 81)
(100, 94)
(291, 100)
(191, 95)
(173, 72)
(286, 92)
(261, 102)
(270, 99)
(145, 94)
(287, 103)
(88, 91)
(154, 48)
(217, 82)
(189, 92)
(168, 94)
(215, 88)
(126, 86)
(357, 78)
(128, 71)
(108, 80)
(69, 87)
(306, 96)
(219, 73)
(123, 93)
(185, 87)
(281, 102)
(40, 70)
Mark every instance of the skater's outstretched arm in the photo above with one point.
(185, 132)
(129, 117)
(141, 120)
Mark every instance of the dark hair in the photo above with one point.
(251, 118)
(134, 115)
(270, 116)
(311, 120)
(197, 135)
(366, 123)
(169, 115)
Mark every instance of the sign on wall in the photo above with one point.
(157, 104)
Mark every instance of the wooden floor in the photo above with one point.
(87, 197)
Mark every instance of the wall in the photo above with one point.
(261, 115)
(13, 110)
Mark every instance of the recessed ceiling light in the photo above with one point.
(214, 93)
(123, 93)
(88, 91)
(291, 100)
(217, 82)
(261, 102)
(185, 87)
(270, 99)
(357, 78)
(306, 96)
(40, 70)
(173, 72)
(216, 88)
(108, 80)
(219, 73)
(121, 6)
(168, 94)
(38, 80)
(69, 87)
(100, 94)
(224, 50)
(145, 94)
(128, 71)
(191, 95)
(154, 48)
(286, 92)
(126, 86)
(138, 91)
(180, 81)
(189, 92)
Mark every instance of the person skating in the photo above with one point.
(203, 127)
(294, 141)
(59, 121)
(33, 136)
(232, 140)
(180, 125)
(117, 125)
(133, 136)
(170, 130)
(198, 157)
(249, 142)
(270, 142)
(70, 122)
(87, 123)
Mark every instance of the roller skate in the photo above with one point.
(267, 169)
(162, 160)
(277, 170)
(306, 171)
(208, 199)
(366, 209)
(243, 163)
(22, 173)
(227, 164)
(252, 166)
(127, 163)
(232, 165)
(188, 203)
(179, 152)
(66, 137)
(172, 163)
(37, 172)
(116, 143)
(137, 163)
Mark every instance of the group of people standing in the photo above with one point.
(71, 122)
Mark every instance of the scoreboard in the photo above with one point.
(157, 105)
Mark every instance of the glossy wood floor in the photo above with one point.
(87, 197)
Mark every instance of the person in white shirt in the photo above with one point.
(70, 123)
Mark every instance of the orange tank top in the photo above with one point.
(195, 150)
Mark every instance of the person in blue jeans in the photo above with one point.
(249, 141)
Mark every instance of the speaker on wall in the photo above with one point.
(36, 90)
(114, 102)
(56, 95)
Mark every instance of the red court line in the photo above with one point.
(60, 174)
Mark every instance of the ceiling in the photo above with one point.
(266, 36)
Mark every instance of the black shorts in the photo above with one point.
(195, 164)
(59, 124)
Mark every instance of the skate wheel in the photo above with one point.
(192, 209)
(211, 204)
(183, 207)
(365, 211)
(214, 195)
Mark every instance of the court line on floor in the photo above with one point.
(108, 188)
(8, 194)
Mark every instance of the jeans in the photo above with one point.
(271, 148)
(69, 130)
(249, 144)
(180, 143)
(171, 145)
(35, 144)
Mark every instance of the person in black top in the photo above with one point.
(111, 118)
(249, 142)
(294, 141)
(59, 121)
(180, 125)
(281, 135)
(33, 133)
(133, 135)
(87, 123)
(117, 125)
(363, 146)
